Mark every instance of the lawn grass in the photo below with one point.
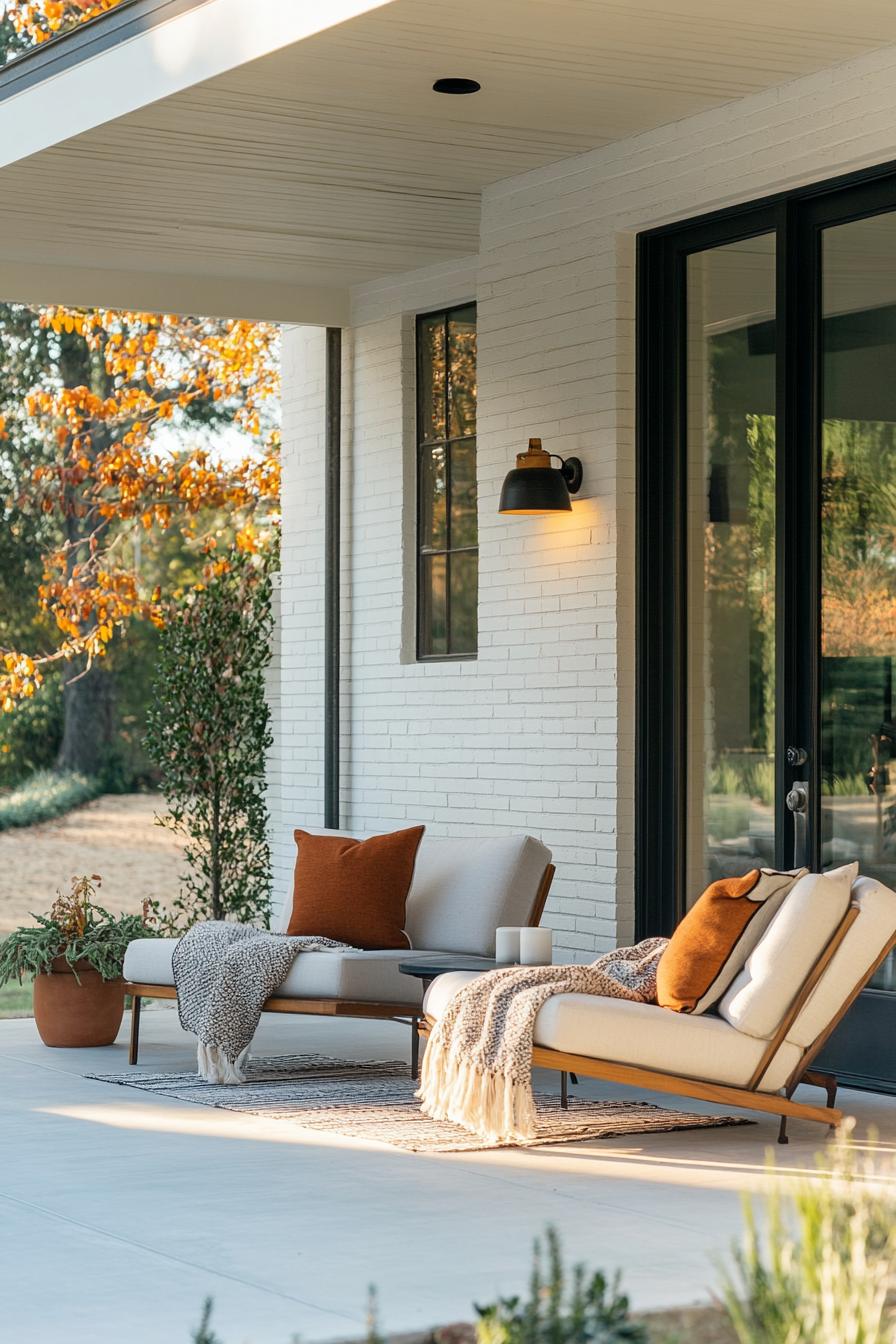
(15, 999)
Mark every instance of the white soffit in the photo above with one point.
(252, 158)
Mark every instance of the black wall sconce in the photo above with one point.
(534, 486)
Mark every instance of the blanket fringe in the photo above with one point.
(491, 1105)
(213, 1065)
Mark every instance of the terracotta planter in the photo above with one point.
(71, 1014)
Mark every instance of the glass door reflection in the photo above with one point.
(731, 560)
(858, 549)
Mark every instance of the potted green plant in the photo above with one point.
(75, 954)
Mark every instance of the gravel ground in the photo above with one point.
(115, 836)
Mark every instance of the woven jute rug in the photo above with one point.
(374, 1099)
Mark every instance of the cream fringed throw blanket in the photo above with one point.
(477, 1069)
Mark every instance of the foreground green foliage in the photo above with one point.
(575, 1308)
(820, 1268)
(816, 1272)
(578, 1308)
(76, 929)
(204, 1334)
(208, 734)
(44, 796)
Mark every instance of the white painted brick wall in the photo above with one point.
(536, 735)
(298, 729)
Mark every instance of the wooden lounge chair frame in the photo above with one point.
(749, 1097)
(360, 1008)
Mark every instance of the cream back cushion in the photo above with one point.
(464, 889)
(776, 969)
(860, 949)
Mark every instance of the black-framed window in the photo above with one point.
(447, 523)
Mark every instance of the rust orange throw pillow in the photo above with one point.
(713, 941)
(354, 890)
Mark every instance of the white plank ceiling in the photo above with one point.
(332, 162)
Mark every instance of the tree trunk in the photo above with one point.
(89, 732)
(215, 851)
(88, 699)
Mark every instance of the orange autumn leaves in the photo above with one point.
(39, 20)
(107, 478)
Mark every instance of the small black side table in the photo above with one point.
(427, 969)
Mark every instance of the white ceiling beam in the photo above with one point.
(154, 292)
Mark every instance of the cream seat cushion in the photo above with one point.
(366, 976)
(641, 1034)
(776, 969)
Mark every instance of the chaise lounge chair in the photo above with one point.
(461, 892)
(705, 1057)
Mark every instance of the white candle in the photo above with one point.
(507, 945)
(536, 947)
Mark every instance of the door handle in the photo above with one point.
(797, 802)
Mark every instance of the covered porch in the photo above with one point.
(304, 172)
(132, 1209)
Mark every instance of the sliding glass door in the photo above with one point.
(730, 560)
(767, 557)
(858, 549)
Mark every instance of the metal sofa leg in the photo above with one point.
(564, 1090)
(415, 1048)
(823, 1080)
(782, 1130)
(135, 1028)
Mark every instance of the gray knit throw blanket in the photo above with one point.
(224, 973)
(477, 1070)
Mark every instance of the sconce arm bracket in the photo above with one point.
(571, 471)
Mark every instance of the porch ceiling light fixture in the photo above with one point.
(456, 86)
(534, 486)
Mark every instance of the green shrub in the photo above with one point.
(208, 734)
(44, 796)
(820, 1271)
(725, 778)
(845, 786)
(761, 782)
(561, 1309)
(30, 734)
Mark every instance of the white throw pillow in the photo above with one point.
(776, 969)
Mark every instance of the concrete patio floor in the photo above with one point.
(122, 1211)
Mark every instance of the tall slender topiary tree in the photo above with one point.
(208, 734)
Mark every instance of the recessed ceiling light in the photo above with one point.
(456, 86)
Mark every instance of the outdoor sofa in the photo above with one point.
(461, 892)
(705, 1056)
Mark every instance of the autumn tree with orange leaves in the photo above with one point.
(118, 397)
(86, 471)
(36, 21)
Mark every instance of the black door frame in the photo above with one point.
(797, 219)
